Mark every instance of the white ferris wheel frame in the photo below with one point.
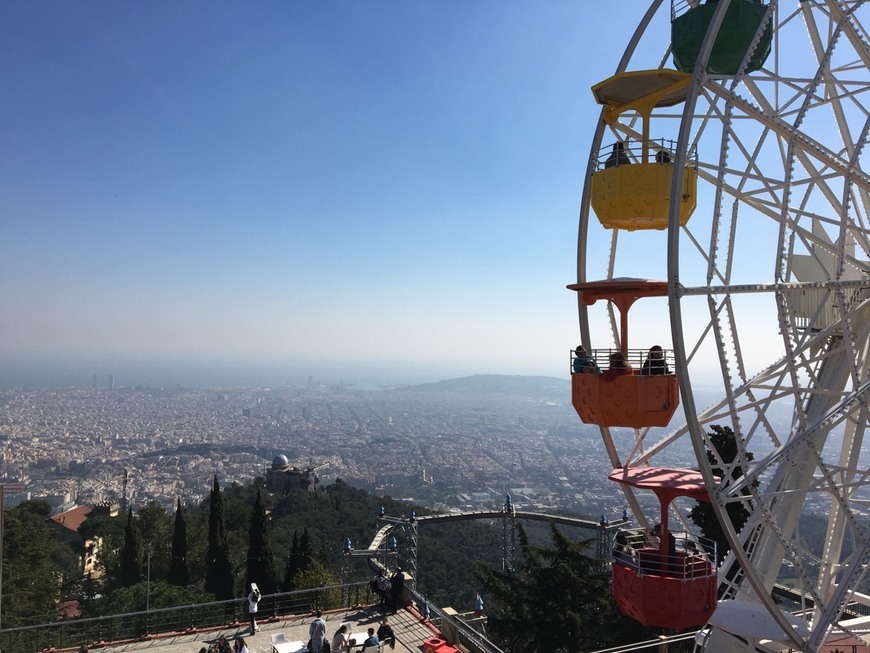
(821, 406)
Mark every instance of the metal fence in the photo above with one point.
(820, 308)
(629, 150)
(138, 625)
(636, 361)
(689, 558)
(468, 637)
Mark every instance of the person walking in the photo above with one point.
(253, 602)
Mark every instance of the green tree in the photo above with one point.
(315, 575)
(724, 443)
(38, 507)
(129, 571)
(219, 572)
(155, 527)
(300, 561)
(558, 600)
(306, 552)
(31, 582)
(293, 564)
(141, 595)
(178, 575)
(260, 563)
(196, 521)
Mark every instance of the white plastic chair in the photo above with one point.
(374, 648)
(280, 644)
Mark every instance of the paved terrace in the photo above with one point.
(411, 631)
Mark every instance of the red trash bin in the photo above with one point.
(434, 645)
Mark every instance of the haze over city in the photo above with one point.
(219, 193)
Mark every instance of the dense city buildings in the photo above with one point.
(454, 445)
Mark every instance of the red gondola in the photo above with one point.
(664, 585)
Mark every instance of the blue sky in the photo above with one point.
(302, 185)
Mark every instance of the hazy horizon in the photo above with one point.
(213, 373)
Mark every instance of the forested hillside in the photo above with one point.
(285, 542)
(139, 545)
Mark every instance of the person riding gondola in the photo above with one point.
(655, 362)
(583, 362)
(617, 157)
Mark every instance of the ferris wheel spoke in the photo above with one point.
(752, 172)
(854, 32)
(771, 211)
(802, 142)
(771, 288)
(769, 298)
(859, 227)
(726, 362)
(664, 444)
(804, 441)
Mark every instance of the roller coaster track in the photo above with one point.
(377, 550)
(519, 514)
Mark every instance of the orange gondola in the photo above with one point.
(632, 398)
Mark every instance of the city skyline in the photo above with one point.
(364, 193)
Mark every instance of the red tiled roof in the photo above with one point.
(72, 518)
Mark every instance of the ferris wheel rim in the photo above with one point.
(777, 288)
(680, 359)
(694, 423)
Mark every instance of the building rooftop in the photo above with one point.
(72, 518)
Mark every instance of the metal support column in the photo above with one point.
(606, 533)
(345, 579)
(412, 558)
(509, 537)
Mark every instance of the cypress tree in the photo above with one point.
(306, 555)
(299, 560)
(293, 566)
(261, 565)
(178, 564)
(723, 440)
(129, 572)
(218, 571)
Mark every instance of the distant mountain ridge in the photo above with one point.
(499, 384)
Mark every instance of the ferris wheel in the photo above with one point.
(723, 282)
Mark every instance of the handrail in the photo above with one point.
(634, 357)
(471, 639)
(691, 558)
(820, 308)
(650, 643)
(140, 625)
(661, 150)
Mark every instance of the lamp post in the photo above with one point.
(2, 512)
(148, 585)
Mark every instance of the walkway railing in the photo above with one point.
(465, 635)
(142, 625)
